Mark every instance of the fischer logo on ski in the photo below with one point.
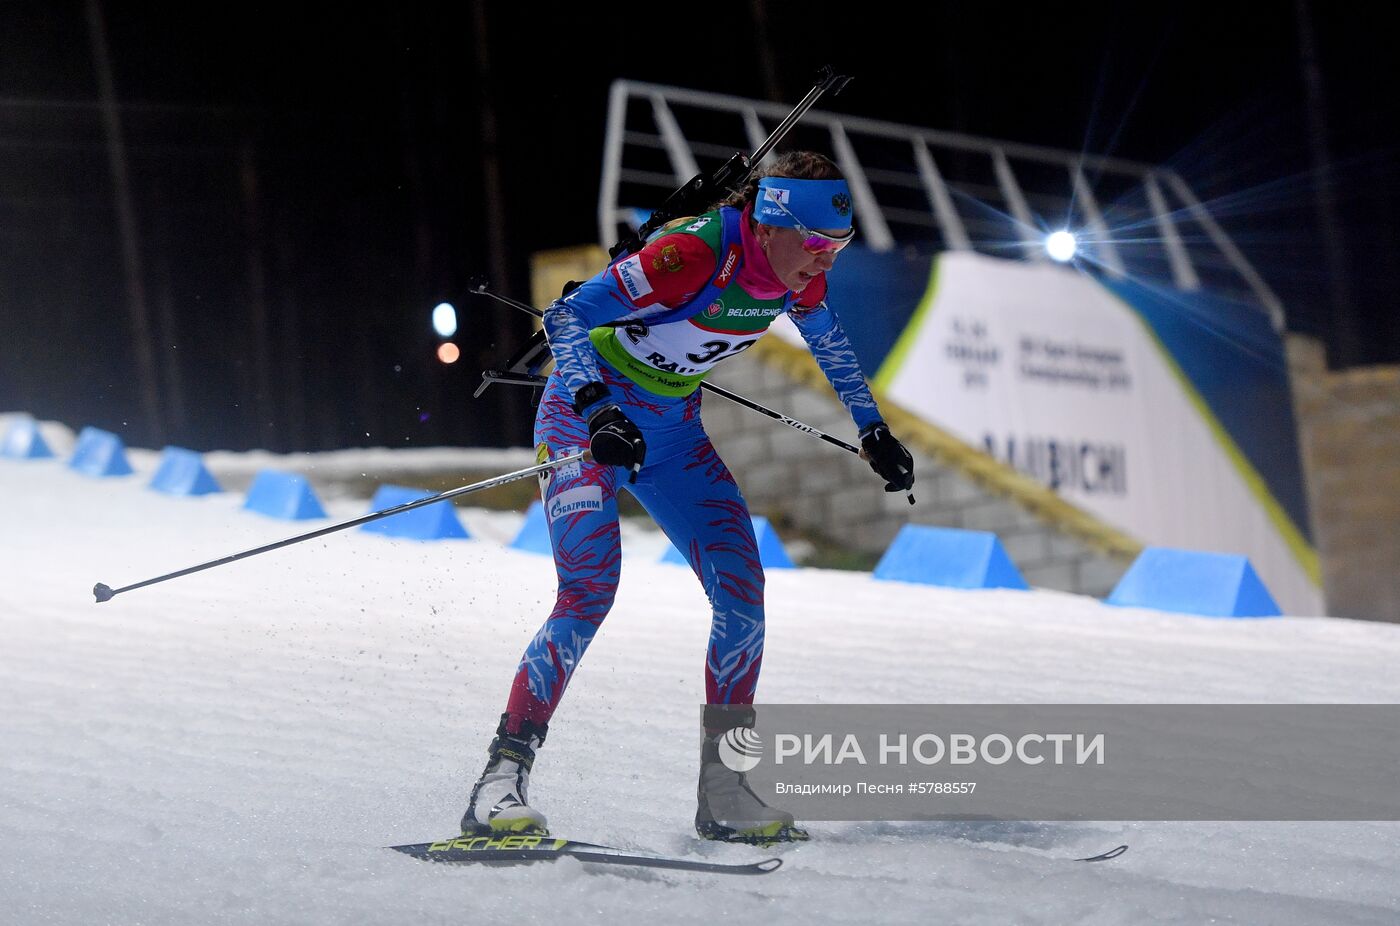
(483, 843)
(523, 849)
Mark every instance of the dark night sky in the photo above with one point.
(327, 165)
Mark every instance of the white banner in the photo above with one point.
(1050, 372)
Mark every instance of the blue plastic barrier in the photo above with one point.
(437, 521)
(23, 441)
(99, 453)
(533, 536)
(182, 472)
(771, 552)
(283, 495)
(1194, 582)
(949, 557)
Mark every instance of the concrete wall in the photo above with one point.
(1349, 424)
(798, 479)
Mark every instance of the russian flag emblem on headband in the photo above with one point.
(788, 201)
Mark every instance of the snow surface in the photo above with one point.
(237, 746)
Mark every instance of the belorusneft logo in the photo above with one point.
(933, 749)
(740, 749)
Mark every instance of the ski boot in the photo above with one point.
(499, 803)
(728, 810)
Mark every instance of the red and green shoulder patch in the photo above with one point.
(667, 271)
(709, 228)
(668, 259)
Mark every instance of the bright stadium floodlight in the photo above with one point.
(1061, 245)
(445, 320)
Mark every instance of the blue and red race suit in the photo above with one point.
(650, 327)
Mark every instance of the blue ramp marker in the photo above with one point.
(949, 557)
(283, 495)
(182, 472)
(771, 552)
(23, 441)
(99, 453)
(437, 521)
(1194, 582)
(534, 533)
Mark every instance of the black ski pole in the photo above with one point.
(105, 592)
(779, 416)
(482, 288)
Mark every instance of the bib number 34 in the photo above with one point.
(717, 350)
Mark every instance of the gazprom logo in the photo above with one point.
(582, 498)
(633, 278)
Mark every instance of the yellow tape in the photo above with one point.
(1302, 551)
(890, 368)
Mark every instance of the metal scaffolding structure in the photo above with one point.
(942, 190)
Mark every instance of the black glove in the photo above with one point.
(615, 440)
(888, 458)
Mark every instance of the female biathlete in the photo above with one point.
(631, 346)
